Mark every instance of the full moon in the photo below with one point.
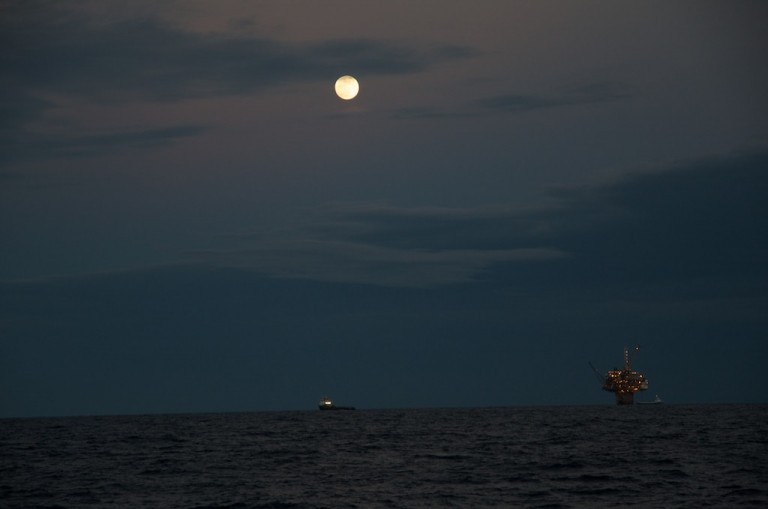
(347, 87)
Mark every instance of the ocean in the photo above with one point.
(541, 457)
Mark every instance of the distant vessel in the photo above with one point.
(327, 404)
(656, 401)
(623, 382)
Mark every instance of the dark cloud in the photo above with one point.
(54, 51)
(695, 220)
(696, 223)
(586, 94)
(31, 146)
(49, 51)
(428, 112)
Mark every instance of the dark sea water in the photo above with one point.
(640, 456)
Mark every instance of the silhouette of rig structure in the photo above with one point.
(623, 382)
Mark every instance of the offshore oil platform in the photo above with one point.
(623, 382)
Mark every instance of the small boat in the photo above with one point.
(327, 404)
(656, 401)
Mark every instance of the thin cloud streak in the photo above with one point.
(516, 103)
(31, 146)
(587, 94)
(355, 263)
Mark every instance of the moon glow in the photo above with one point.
(347, 87)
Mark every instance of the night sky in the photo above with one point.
(193, 221)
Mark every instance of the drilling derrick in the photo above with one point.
(624, 382)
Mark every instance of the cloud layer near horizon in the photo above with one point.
(672, 258)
